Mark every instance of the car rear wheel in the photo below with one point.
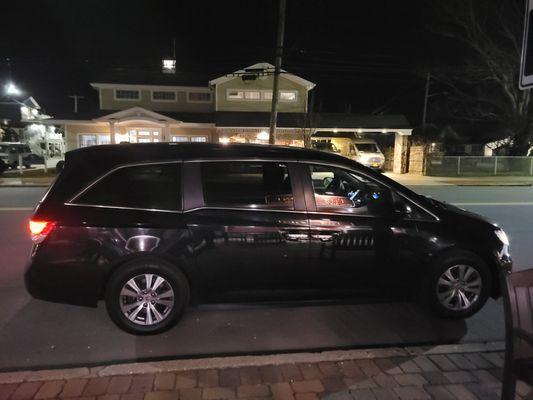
(146, 297)
(458, 285)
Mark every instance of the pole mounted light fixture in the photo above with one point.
(11, 89)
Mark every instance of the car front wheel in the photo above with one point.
(146, 297)
(458, 285)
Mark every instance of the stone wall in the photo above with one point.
(416, 160)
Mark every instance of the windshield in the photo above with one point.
(367, 147)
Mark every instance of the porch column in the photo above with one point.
(401, 146)
(165, 134)
(112, 131)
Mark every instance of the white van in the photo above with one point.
(366, 152)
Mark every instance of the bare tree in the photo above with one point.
(484, 86)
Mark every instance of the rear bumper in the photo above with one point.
(67, 283)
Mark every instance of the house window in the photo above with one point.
(121, 94)
(180, 139)
(86, 140)
(286, 95)
(200, 97)
(267, 95)
(163, 95)
(252, 95)
(199, 139)
(235, 94)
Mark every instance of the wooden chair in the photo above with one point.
(517, 288)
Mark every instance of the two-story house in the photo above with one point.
(231, 108)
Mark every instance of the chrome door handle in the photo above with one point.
(323, 237)
(295, 236)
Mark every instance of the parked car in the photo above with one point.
(153, 228)
(362, 150)
(10, 152)
(324, 146)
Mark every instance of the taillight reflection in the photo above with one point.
(39, 229)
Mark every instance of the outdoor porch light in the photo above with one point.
(359, 130)
(224, 140)
(335, 130)
(263, 135)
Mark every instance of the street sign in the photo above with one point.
(526, 62)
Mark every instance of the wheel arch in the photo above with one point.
(484, 255)
(149, 257)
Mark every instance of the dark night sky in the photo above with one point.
(367, 54)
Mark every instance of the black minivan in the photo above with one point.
(153, 228)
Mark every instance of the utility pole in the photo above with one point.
(423, 125)
(277, 71)
(76, 97)
(426, 96)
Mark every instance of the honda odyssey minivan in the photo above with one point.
(154, 228)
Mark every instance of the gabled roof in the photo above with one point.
(135, 113)
(265, 67)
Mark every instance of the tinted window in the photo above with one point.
(339, 190)
(247, 184)
(155, 186)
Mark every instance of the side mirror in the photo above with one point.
(402, 209)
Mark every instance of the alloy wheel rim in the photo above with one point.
(459, 287)
(146, 299)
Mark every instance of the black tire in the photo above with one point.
(14, 165)
(172, 274)
(429, 288)
(59, 166)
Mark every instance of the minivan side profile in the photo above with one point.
(154, 228)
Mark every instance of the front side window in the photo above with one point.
(127, 94)
(342, 191)
(254, 185)
(151, 186)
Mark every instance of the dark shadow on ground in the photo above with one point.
(46, 335)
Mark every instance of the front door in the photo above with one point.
(250, 229)
(358, 244)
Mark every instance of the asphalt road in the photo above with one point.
(36, 334)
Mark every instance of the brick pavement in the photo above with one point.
(454, 372)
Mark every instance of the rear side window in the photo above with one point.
(256, 185)
(153, 186)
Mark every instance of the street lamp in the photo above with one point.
(11, 89)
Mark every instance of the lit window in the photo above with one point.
(199, 96)
(164, 95)
(267, 95)
(235, 94)
(252, 95)
(180, 138)
(287, 96)
(87, 140)
(127, 94)
(199, 139)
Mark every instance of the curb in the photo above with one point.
(12, 185)
(243, 361)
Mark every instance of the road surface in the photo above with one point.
(36, 334)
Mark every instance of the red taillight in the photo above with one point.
(39, 229)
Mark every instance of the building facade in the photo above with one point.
(233, 108)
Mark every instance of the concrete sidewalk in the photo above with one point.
(471, 371)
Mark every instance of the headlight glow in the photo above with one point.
(500, 233)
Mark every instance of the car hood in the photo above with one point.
(454, 213)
